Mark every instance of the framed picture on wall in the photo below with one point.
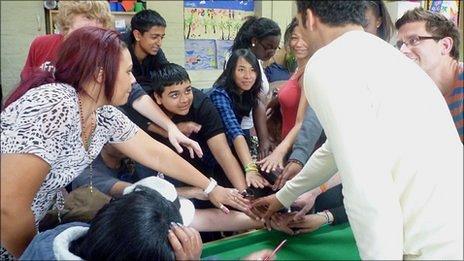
(449, 8)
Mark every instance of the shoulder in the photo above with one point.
(50, 94)
(47, 40)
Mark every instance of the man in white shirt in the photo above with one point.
(389, 134)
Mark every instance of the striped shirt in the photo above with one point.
(456, 102)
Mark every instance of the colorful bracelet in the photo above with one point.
(251, 167)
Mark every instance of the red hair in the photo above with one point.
(81, 56)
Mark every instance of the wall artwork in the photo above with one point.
(222, 50)
(216, 20)
(449, 8)
(200, 54)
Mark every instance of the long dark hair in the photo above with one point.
(84, 52)
(246, 100)
(385, 30)
(258, 28)
(133, 227)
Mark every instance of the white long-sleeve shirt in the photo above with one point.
(392, 138)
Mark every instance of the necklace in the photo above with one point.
(87, 138)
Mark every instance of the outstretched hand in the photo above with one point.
(265, 207)
(288, 173)
(177, 138)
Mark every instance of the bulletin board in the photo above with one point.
(210, 26)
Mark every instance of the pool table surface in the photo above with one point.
(328, 242)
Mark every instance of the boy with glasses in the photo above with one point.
(432, 41)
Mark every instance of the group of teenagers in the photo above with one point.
(357, 130)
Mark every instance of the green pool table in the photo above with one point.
(328, 242)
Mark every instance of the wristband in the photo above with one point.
(212, 184)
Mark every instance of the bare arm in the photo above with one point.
(147, 151)
(275, 159)
(259, 119)
(16, 199)
(252, 177)
(222, 153)
(214, 220)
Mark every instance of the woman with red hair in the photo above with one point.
(56, 123)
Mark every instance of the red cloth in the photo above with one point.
(289, 99)
(43, 49)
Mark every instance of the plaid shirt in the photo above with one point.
(230, 119)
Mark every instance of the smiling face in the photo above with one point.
(176, 98)
(124, 79)
(298, 45)
(244, 75)
(151, 40)
(265, 48)
(426, 53)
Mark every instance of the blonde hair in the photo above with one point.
(98, 10)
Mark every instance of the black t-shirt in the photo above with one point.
(142, 73)
(203, 112)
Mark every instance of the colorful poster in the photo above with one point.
(222, 51)
(221, 24)
(449, 8)
(210, 26)
(244, 5)
(200, 54)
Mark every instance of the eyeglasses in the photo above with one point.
(415, 40)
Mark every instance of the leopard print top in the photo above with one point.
(45, 121)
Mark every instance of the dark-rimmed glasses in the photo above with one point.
(415, 40)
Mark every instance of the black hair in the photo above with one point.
(133, 227)
(254, 27)
(169, 74)
(385, 30)
(334, 13)
(246, 100)
(146, 19)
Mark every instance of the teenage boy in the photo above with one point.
(380, 142)
(432, 41)
(194, 114)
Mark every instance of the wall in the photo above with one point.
(21, 22)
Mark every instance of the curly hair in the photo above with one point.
(436, 24)
(334, 13)
(98, 10)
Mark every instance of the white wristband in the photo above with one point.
(212, 184)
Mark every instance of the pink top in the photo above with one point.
(289, 99)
